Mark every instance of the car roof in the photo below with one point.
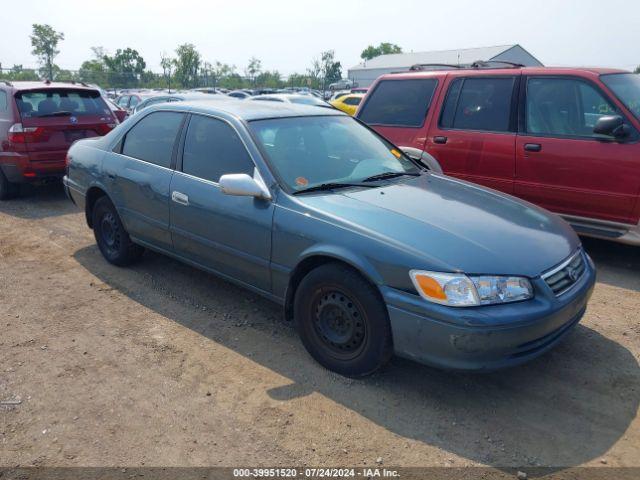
(248, 111)
(502, 71)
(44, 85)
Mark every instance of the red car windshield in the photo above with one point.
(60, 102)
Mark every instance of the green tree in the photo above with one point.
(637, 70)
(253, 69)
(269, 79)
(44, 40)
(125, 68)
(17, 73)
(384, 48)
(95, 70)
(187, 65)
(324, 70)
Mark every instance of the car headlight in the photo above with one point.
(459, 290)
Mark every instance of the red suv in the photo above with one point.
(38, 123)
(564, 138)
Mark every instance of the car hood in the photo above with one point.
(453, 225)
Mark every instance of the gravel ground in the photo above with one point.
(164, 365)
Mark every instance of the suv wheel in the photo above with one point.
(342, 321)
(112, 238)
(7, 189)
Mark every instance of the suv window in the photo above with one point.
(564, 107)
(153, 137)
(399, 102)
(42, 103)
(3, 101)
(212, 148)
(478, 104)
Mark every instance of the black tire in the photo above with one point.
(112, 238)
(7, 189)
(342, 321)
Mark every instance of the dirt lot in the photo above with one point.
(162, 364)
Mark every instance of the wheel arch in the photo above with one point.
(321, 256)
(94, 193)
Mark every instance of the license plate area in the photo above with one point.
(73, 135)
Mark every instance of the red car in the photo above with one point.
(38, 123)
(563, 138)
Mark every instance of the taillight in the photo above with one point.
(19, 134)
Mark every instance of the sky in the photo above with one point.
(286, 35)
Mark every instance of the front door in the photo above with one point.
(228, 234)
(561, 164)
(474, 137)
(140, 177)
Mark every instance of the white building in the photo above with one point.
(366, 72)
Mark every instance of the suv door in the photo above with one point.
(474, 137)
(561, 164)
(228, 234)
(138, 174)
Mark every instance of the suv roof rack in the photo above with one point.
(478, 64)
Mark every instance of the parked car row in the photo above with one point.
(358, 227)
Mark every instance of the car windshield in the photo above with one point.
(311, 151)
(626, 86)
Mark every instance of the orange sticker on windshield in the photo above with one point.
(396, 153)
(302, 182)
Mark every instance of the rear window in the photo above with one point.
(399, 102)
(352, 101)
(52, 102)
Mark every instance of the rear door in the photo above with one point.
(57, 117)
(561, 164)
(399, 110)
(474, 136)
(228, 234)
(139, 175)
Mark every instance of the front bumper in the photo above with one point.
(488, 337)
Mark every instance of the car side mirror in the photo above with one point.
(611, 126)
(242, 185)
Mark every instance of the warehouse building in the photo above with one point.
(366, 72)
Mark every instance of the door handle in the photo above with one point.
(440, 140)
(180, 198)
(532, 147)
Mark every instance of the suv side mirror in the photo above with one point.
(611, 126)
(242, 185)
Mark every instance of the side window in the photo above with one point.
(4, 104)
(399, 103)
(123, 101)
(134, 101)
(153, 137)
(212, 149)
(352, 101)
(479, 104)
(564, 107)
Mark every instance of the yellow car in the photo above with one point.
(348, 103)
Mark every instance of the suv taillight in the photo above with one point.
(19, 134)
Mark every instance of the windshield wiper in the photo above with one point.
(56, 114)
(331, 186)
(385, 175)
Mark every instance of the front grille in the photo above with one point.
(565, 276)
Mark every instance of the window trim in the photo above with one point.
(369, 95)
(513, 104)
(522, 117)
(119, 146)
(183, 137)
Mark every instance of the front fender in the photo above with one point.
(345, 255)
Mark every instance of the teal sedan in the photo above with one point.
(368, 251)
